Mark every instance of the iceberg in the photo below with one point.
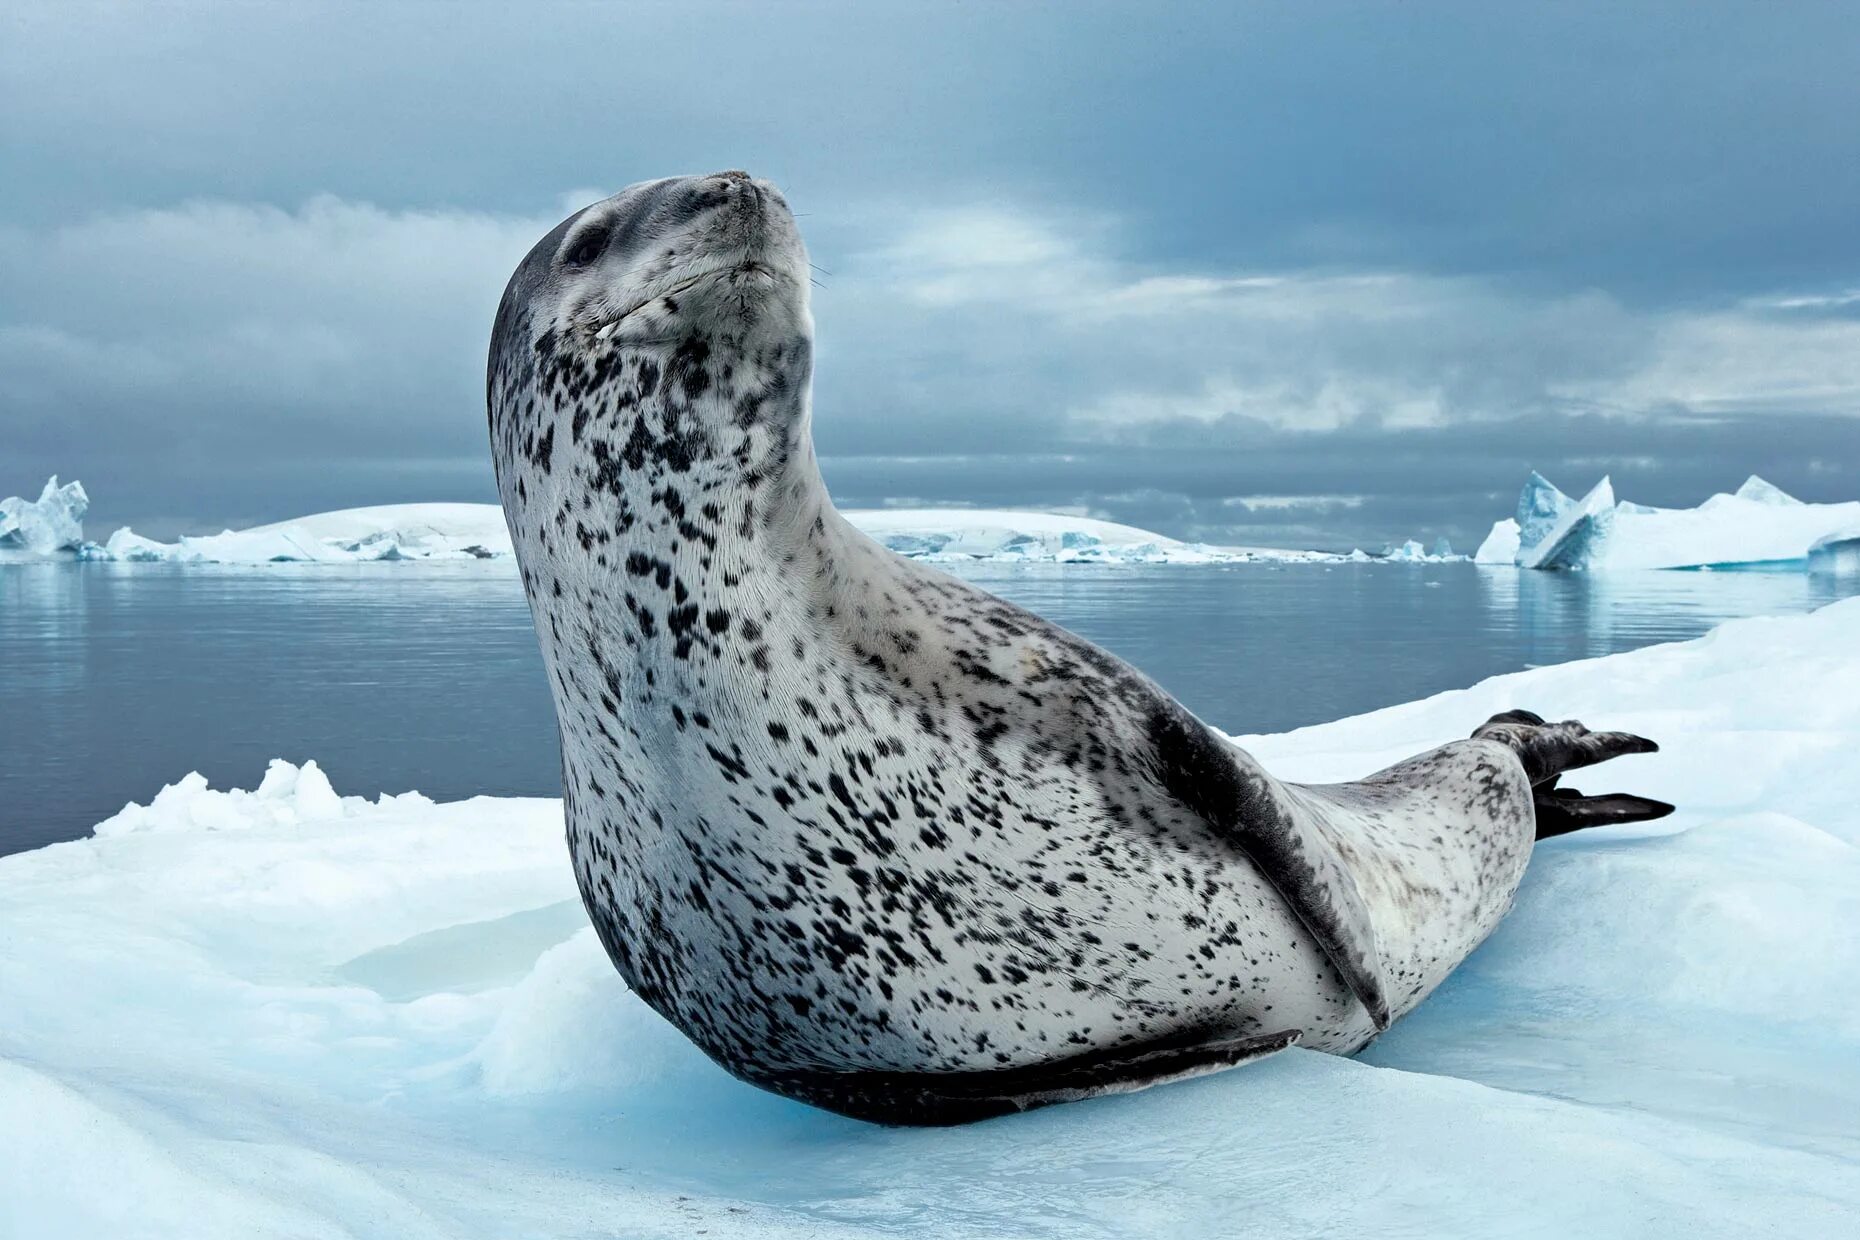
(1758, 525)
(464, 531)
(1501, 545)
(1574, 539)
(284, 1011)
(1412, 552)
(441, 531)
(1540, 507)
(347, 536)
(46, 527)
(1837, 555)
(951, 535)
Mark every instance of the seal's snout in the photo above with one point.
(740, 208)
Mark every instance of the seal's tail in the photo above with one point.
(1547, 750)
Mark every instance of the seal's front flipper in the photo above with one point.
(942, 1098)
(1547, 750)
(1562, 810)
(1255, 814)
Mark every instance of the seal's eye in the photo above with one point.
(585, 248)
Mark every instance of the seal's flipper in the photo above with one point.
(1204, 772)
(1562, 810)
(1549, 749)
(943, 1098)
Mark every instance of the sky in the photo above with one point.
(1306, 274)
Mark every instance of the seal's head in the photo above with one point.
(661, 260)
(662, 328)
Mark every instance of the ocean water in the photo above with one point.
(118, 678)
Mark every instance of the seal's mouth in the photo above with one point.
(669, 295)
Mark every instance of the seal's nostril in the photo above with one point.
(734, 174)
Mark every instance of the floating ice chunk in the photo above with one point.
(126, 544)
(1501, 545)
(1837, 555)
(478, 531)
(1540, 509)
(50, 526)
(350, 535)
(1412, 552)
(1758, 525)
(1577, 535)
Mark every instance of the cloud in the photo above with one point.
(242, 361)
(236, 345)
(1027, 310)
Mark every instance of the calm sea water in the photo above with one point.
(118, 678)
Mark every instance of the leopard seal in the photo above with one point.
(872, 837)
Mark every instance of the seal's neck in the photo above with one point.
(668, 508)
(707, 451)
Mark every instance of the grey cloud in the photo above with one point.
(1080, 256)
(236, 361)
(1665, 151)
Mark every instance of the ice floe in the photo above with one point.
(287, 1012)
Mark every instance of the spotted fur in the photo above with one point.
(871, 836)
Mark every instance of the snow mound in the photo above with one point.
(286, 1012)
(287, 796)
(1758, 524)
(46, 527)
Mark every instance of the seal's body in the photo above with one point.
(873, 837)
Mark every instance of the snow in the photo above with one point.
(477, 531)
(286, 1012)
(37, 529)
(1757, 525)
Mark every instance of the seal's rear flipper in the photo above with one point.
(943, 1098)
(1547, 750)
(1562, 810)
